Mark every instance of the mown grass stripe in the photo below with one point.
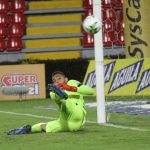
(88, 121)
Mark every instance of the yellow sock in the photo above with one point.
(36, 128)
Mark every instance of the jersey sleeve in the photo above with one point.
(81, 88)
(84, 89)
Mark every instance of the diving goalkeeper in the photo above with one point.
(68, 95)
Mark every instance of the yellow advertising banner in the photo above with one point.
(31, 76)
(123, 77)
(137, 29)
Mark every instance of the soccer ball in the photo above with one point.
(91, 24)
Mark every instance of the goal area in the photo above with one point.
(126, 81)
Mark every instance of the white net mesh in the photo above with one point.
(127, 81)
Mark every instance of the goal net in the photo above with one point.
(125, 35)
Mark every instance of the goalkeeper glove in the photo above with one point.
(67, 87)
(57, 91)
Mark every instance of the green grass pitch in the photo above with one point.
(92, 136)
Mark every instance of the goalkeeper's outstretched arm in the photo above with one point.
(80, 88)
(84, 89)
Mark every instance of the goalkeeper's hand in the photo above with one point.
(57, 91)
(67, 87)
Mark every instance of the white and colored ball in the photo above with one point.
(91, 24)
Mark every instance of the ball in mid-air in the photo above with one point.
(91, 24)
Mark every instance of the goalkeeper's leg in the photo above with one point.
(37, 128)
(52, 126)
(56, 126)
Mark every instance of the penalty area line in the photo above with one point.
(29, 115)
(88, 121)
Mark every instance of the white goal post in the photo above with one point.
(99, 66)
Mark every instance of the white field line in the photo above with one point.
(88, 121)
(29, 115)
(124, 127)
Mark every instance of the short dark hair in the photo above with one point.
(57, 72)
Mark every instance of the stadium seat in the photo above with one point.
(109, 13)
(108, 38)
(14, 44)
(118, 3)
(120, 15)
(120, 38)
(2, 31)
(88, 12)
(3, 19)
(107, 3)
(108, 25)
(120, 25)
(88, 40)
(4, 6)
(120, 22)
(2, 45)
(15, 30)
(18, 18)
(88, 4)
(17, 6)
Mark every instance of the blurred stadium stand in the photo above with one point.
(51, 29)
(4, 6)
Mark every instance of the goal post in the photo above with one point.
(99, 66)
(122, 85)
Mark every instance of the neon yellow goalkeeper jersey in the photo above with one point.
(72, 111)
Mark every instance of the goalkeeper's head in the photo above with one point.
(59, 77)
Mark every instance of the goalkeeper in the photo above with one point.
(68, 95)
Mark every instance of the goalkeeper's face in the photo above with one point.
(59, 78)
